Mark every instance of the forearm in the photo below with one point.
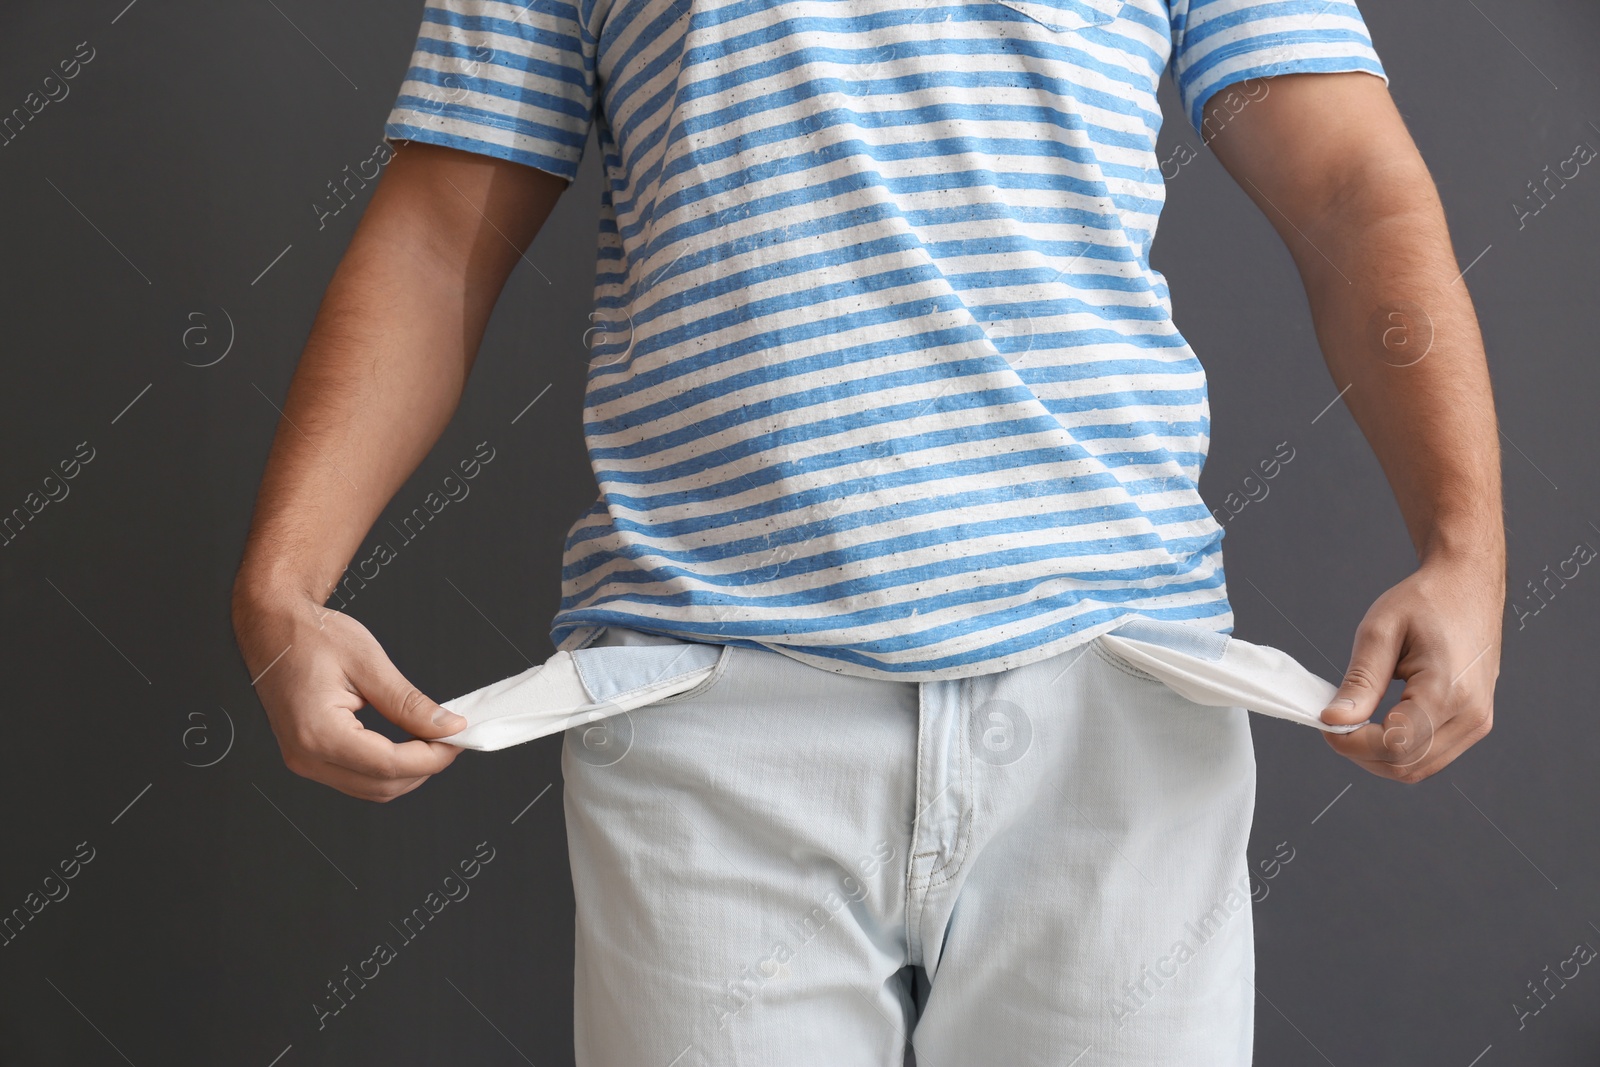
(1398, 332)
(1327, 157)
(381, 374)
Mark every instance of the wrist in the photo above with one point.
(1469, 529)
(1475, 567)
(1483, 547)
(257, 595)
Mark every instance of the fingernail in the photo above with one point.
(446, 717)
(1342, 704)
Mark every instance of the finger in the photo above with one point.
(1410, 727)
(1372, 664)
(1448, 743)
(1419, 735)
(364, 787)
(1400, 743)
(397, 700)
(369, 753)
(1460, 732)
(1364, 745)
(1407, 729)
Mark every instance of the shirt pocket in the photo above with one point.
(1068, 16)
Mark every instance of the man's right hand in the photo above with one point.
(313, 668)
(380, 377)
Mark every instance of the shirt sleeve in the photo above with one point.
(1217, 43)
(511, 80)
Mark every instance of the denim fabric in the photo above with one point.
(786, 866)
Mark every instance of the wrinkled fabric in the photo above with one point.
(600, 680)
(786, 867)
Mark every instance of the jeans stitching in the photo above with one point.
(659, 682)
(964, 818)
(913, 921)
(712, 679)
(1121, 664)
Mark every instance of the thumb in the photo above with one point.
(1372, 664)
(402, 703)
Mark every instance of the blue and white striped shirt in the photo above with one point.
(883, 378)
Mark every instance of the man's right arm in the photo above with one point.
(380, 377)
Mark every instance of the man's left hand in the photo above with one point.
(1439, 631)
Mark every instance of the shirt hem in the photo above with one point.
(1011, 661)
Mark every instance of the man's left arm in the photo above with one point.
(1328, 159)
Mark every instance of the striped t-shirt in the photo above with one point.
(881, 376)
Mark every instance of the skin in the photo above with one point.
(1327, 159)
(1325, 156)
(381, 375)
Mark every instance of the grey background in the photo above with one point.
(177, 180)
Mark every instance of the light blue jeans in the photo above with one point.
(785, 866)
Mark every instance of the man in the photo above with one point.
(888, 402)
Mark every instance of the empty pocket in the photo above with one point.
(1218, 670)
(581, 686)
